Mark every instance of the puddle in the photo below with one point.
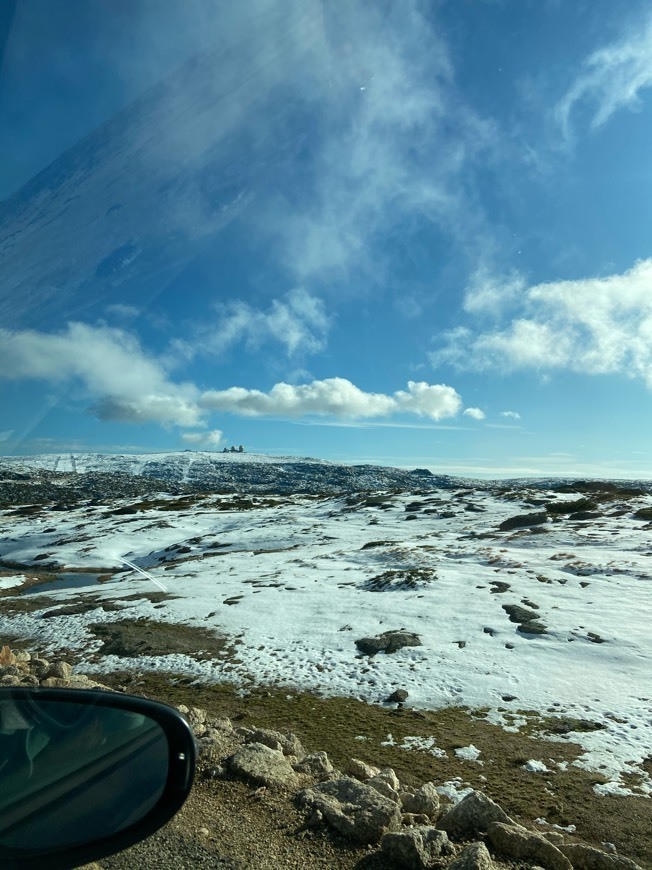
(73, 580)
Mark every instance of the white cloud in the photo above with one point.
(512, 415)
(487, 292)
(475, 413)
(298, 321)
(612, 78)
(122, 312)
(204, 439)
(6, 435)
(108, 364)
(395, 142)
(592, 326)
(335, 397)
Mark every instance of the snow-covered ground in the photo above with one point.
(298, 581)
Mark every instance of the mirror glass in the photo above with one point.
(71, 773)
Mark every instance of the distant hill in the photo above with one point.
(200, 471)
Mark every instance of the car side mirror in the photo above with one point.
(86, 773)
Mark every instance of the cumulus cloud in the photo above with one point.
(475, 413)
(335, 397)
(592, 326)
(612, 78)
(108, 364)
(204, 439)
(512, 415)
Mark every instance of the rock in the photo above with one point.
(29, 680)
(472, 816)
(522, 521)
(54, 683)
(589, 858)
(39, 667)
(22, 656)
(388, 642)
(555, 837)
(317, 763)
(474, 857)
(60, 670)
(288, 744)
(397, 697)
(412, 819)
(6, 656)
(354, 808)
(10, 680)
(9, 671)
(383, 787)
(361, 770)
(517, 843)
(415, 848)
(263, 765)
(424, 800)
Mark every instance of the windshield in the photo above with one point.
(373, 232)
(325, 371)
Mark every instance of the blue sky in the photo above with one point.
(411, 234)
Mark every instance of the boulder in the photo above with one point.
(60, 670)
(353, 808)
(589, 858)
(388, 642)
(397, 697)
(474, 857)
(522, 521)
(361, 770)
(473, 815)
(288, 744)
(517, 843)
(416, 848)
(263, 765)
(425, 800)
(317, 763)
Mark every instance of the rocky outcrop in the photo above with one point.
(523, 521)
(264, 766)
(20, 668)
(387, 642)
(518, 844)
(423, 801)
(353, 808)
(416, 848)
(474, 857)
(472, 816)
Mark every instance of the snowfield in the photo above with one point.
(553, 618)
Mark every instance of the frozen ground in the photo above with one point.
(297, 580)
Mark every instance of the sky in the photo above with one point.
(409, 234)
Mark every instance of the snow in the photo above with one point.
(534, 766)
(11, 582)
(468, 753)
(297, 576)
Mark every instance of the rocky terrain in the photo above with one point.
(363, 816)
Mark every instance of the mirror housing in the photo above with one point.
(86, 773)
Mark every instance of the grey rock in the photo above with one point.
(361, 770)
(10, 680)
(523, 520)
(353, 808)
(317, 763)
(388, 642)
(590, 858)
(416, 848)
(383, 787)
(472, 816)
(9, 671)
(397, 697)
(474, 857)
(425, 800)
(516, 842)
(288, 744)
(39, 667)
(263, 765)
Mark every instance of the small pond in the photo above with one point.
(71, 580)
